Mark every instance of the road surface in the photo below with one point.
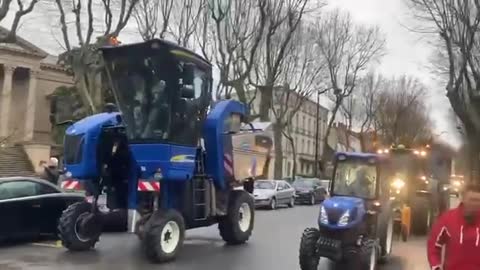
(273, 246)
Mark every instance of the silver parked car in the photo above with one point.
(271, 193)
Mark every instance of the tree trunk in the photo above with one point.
(277, 137)
(329, 128)
(265, 104)
(361, 137)
(294, 156)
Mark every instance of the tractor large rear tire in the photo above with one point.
(164, 235)
(308, 256)
(73, 236)
(237, 226)
(421, 216)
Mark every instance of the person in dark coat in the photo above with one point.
(50, 170)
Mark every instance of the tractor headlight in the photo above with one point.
(323, 215)
(398, 183)
(344, 219)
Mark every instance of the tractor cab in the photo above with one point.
(162, 90)
(355, 190)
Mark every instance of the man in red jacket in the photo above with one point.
(458, 231)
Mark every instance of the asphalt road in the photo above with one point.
(274, 245)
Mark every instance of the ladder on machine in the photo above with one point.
(201, 190)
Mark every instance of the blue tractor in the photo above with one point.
(163, 151)
(355, 224)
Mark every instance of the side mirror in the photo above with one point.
(188, 74)
(187, 92)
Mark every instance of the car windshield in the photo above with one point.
(355, 177)
(303, 183)
(264, 185)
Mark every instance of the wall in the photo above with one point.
(47, 82)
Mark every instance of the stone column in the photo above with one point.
(31, 104)
(6, 99)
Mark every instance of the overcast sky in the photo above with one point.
(407, 52)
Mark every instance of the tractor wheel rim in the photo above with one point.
(79, 232)
(389, 240)
(170, 237)
(245, 217)
(373, 259)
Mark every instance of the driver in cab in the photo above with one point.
(361, 185)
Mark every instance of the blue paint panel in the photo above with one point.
(151, 157)
(343, 204)
(213, 133)
(90, 127)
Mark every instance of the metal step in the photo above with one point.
(199, 198)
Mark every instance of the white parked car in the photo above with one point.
(271, 193)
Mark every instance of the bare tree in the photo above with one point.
(283, 20)
(369, 101)
(24, 8)
(300, 75)
(402, 116)
(456, 25)
(178, 20)
(348, 50)
(82, 57)
(237, 30)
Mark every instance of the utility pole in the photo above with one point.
(317, 135)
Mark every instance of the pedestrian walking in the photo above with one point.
(50, 170)
(458, 232)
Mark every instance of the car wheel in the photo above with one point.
(273, 203)
(292, 202)
(312, 199)
(237, 226)
(164, 235)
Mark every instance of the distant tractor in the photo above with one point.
(416, 191)
(166, 155)
(355, 225)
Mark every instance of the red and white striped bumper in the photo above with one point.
(71, 184)
(149, 186)
(228, 164)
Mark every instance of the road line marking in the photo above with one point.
(57, 244)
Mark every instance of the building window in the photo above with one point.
(289, 168)
(304, 126)
(303, 146)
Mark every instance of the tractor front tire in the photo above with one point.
(164, 235)
(73, 224)
(369, 256)
(308, 256)
(386, 239)
(236, 227)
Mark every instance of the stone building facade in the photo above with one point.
(28, 76)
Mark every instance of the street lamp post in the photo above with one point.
(315, 166)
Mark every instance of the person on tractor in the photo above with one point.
(361, 186)
(458, 230)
